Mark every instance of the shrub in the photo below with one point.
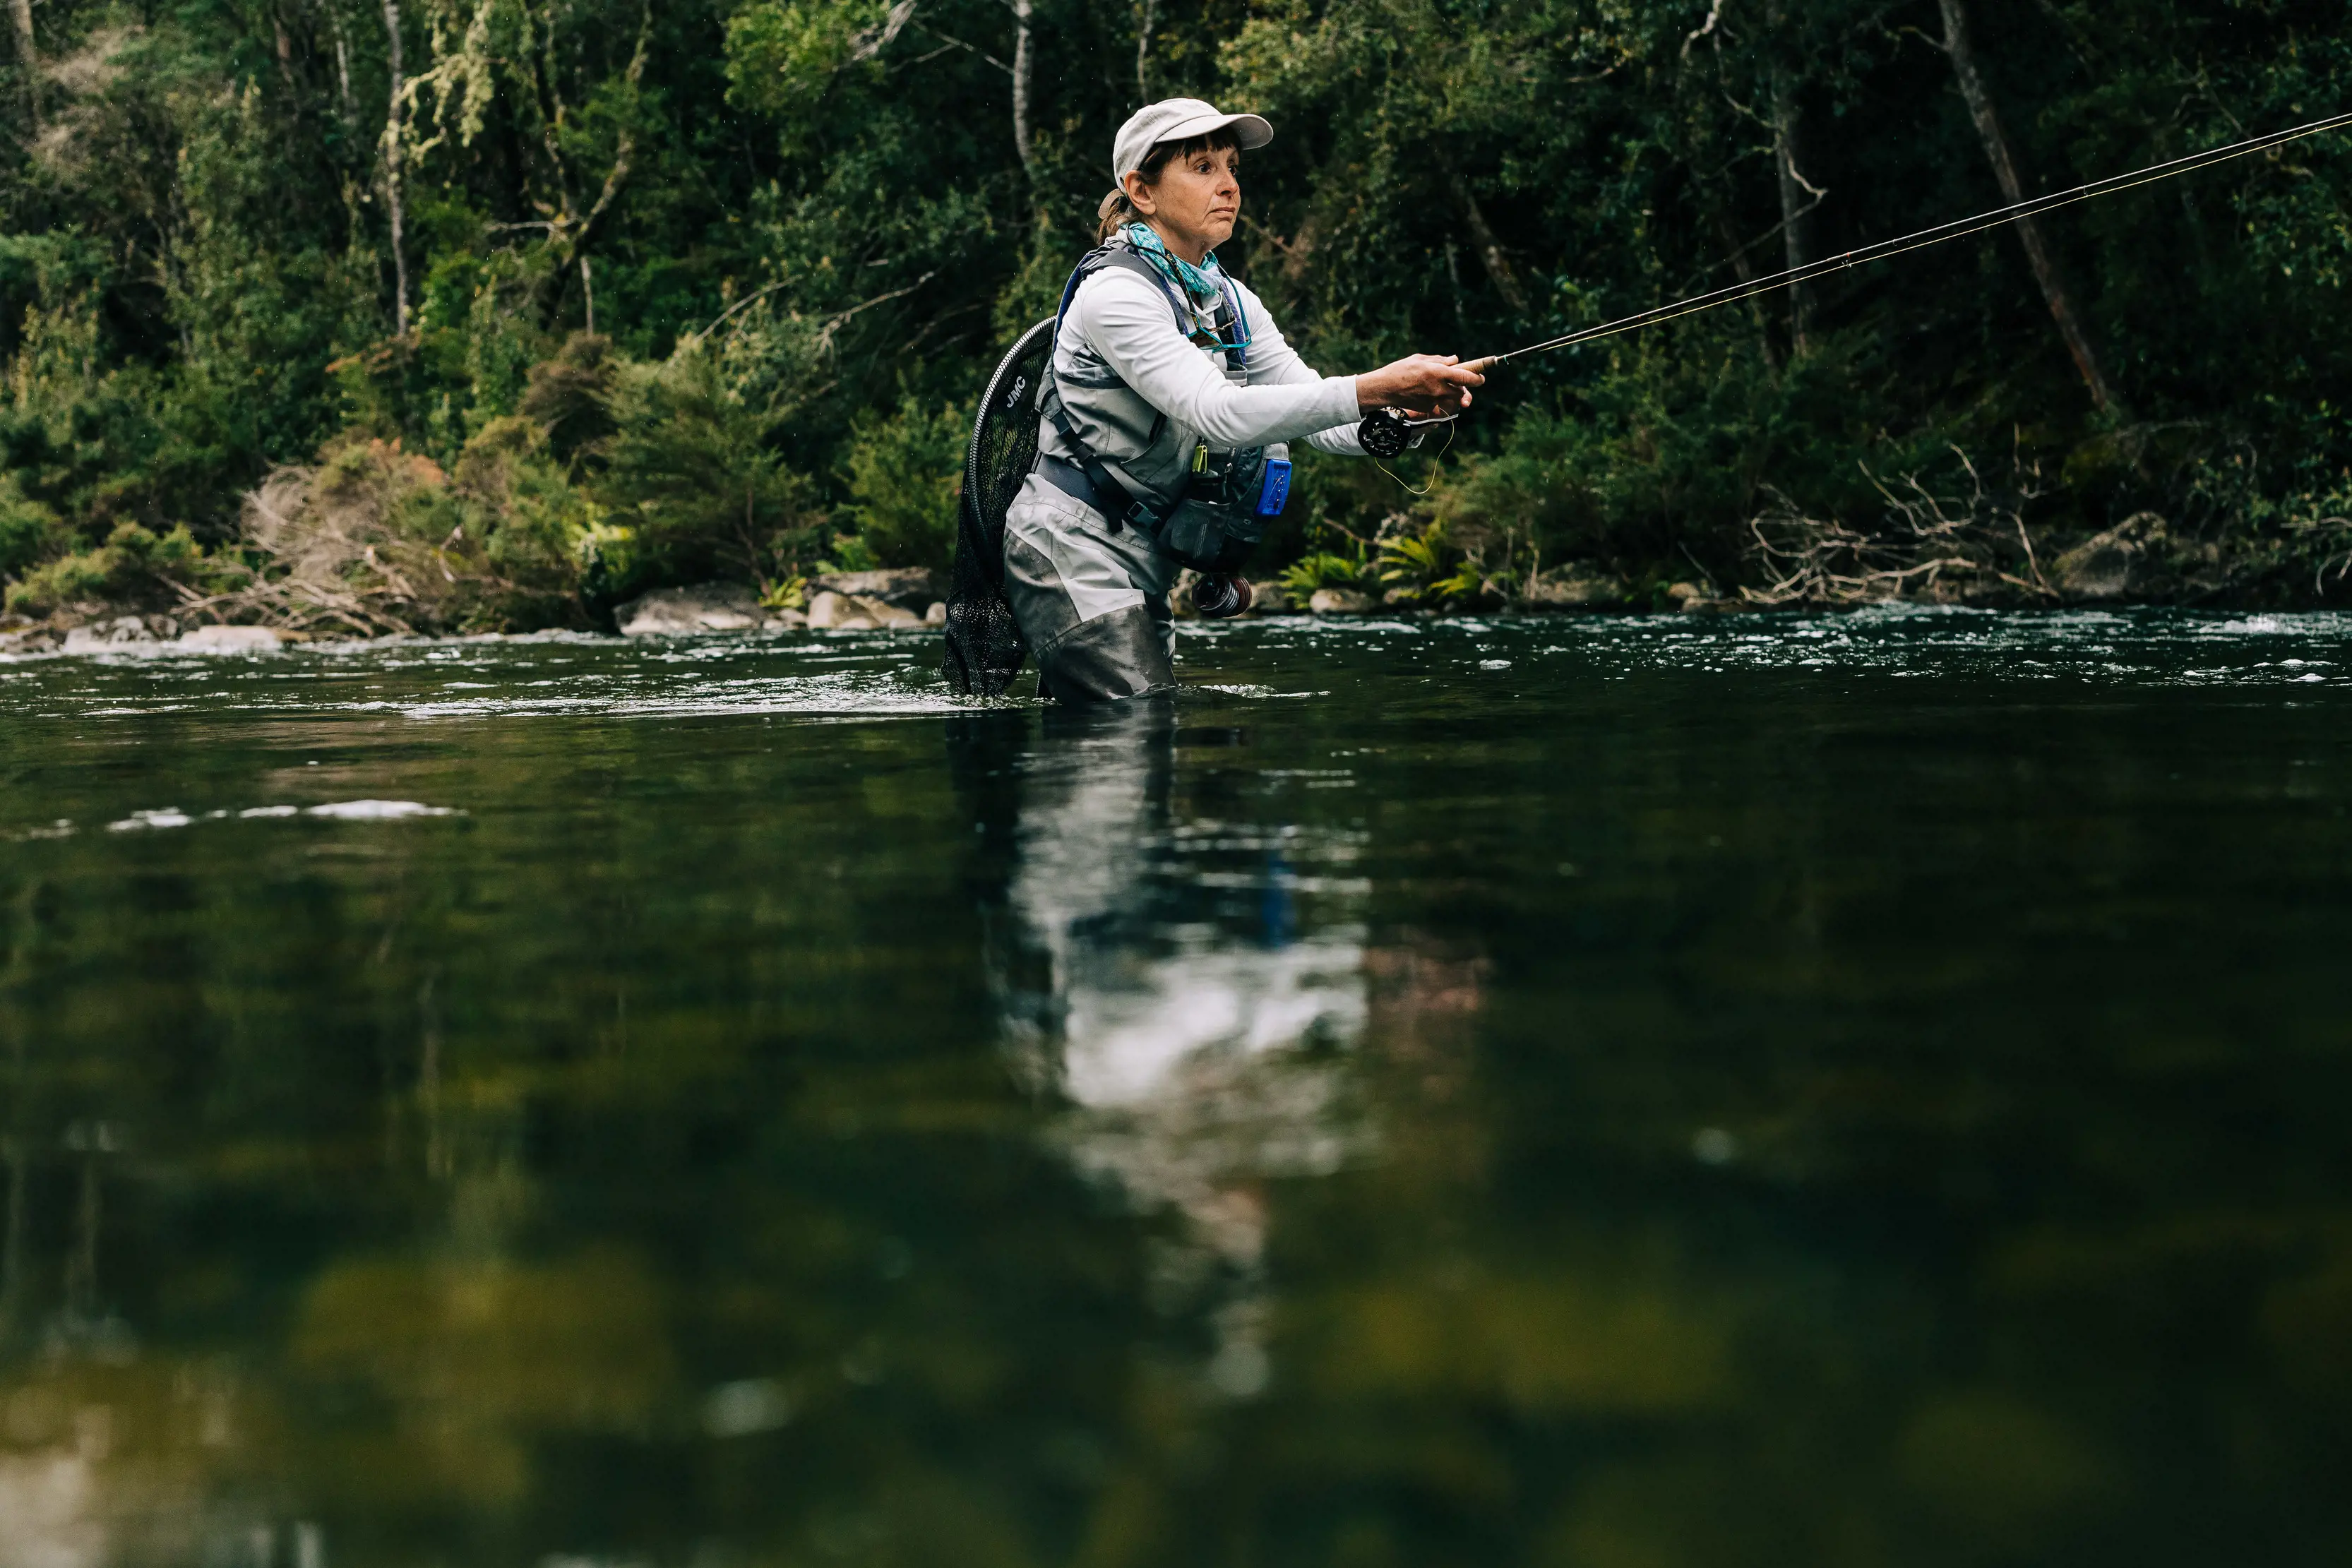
(904, 474)
(1318, 569)
(135, 569)
(29, 531)
(690, 480)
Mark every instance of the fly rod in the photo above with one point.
(1388, 432)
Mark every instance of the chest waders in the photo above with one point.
(1219, 514)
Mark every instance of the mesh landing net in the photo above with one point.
(984, 646)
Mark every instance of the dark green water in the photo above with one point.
(1726, 1092)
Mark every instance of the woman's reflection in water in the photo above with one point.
(1151, 968)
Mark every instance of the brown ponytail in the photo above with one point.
(1117, 212)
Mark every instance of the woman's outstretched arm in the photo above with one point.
(1126, 320)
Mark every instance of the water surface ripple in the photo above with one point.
(1566, 1090)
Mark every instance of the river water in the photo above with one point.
(1583, 1092)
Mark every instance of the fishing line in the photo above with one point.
(1433, 456)
(1958, 229)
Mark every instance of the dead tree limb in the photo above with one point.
(1482, 237)
(1978, 98)
(395, 117)
(872, 41)
(1146, 22)
(1025, 66)
(1798, 195)
(28, 58)
(572, 233)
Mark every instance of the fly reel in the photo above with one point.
(1386, 432)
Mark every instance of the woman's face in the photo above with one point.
(1195, 202)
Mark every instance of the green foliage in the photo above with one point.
(1424, 564)
(1319, 569)
(690, 471)
(134, 567)
(29, 531)
(905, 472)
(735, 264)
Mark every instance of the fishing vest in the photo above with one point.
(1101, 442)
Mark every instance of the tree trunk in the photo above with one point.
(1798, 197)
(1745, 270)
(2029, 233)
(28, 58)
(1146, 25)
(572, 234)
(1023, 67)
(392, 194)
(342, 59)
(1490, 249)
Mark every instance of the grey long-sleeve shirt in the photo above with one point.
(1143, 396)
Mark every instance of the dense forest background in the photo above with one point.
(374, 314)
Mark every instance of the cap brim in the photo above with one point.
(1250, 130)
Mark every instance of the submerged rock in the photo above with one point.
(1339, 601)
(705, 607)
(121, 632)
(679, 611)
(1572, 589)
(2107, 565)
(19, 635)
(908, 588)
(884, 613)
(835, 612)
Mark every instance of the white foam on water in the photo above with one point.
(377, 810)
(575, 677)
(168, 817)
(334, 811)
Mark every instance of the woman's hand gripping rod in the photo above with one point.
(1406, 398)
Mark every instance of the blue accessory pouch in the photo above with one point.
(1274, 493)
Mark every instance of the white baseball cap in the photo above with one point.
(1179, 119)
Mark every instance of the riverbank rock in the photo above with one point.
(1339, 601)
(835, 612)
(681, 612)
(1572, 589)
(2108, 565)
(28, 640)
(122, 635)
(230, 639)
(908, 588)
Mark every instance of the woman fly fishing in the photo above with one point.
(1165, 404)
